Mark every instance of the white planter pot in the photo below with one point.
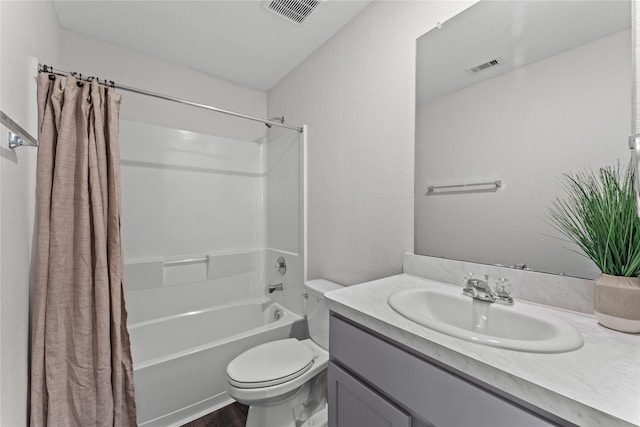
(616, 302)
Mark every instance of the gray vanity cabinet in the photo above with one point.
(373, 382)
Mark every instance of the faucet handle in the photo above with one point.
(468, 280)
(281, 265)
(470, 277)
(502, 291)
(477, 288)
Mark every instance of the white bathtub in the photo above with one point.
(179, 361)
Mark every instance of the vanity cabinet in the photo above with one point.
(374, 382)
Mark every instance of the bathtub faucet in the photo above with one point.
(276, 287)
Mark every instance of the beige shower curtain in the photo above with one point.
(81, 368)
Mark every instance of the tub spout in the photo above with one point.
(276, 287)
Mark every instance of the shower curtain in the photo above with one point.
(81, 367)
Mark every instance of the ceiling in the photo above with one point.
(519, 32)
(240, 41)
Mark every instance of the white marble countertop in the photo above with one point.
(597, 385)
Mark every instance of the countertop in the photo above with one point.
(597, 385)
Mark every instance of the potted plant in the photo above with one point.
(599, 214)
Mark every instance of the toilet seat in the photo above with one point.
(270, 364)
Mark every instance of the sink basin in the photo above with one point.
(519, 327)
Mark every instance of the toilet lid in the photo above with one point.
(270, 364)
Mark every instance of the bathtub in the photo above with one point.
(179, 362)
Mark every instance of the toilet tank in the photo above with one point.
(317, 310)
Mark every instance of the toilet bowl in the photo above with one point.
(284, 381)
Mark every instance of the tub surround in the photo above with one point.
(161, 287)
(597, 385)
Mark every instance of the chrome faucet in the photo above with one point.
(481, 290)
(276, 287)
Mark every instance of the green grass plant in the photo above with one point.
(600, 215)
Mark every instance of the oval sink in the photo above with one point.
(519, 327)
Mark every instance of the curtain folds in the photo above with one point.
(81, 367)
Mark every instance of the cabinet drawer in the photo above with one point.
(434, 394)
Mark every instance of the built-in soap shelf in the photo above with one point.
(174, 271)
(185, 270)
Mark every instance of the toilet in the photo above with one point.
(284, 382)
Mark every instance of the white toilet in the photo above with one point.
(284, 381)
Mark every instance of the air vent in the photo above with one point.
(292, 10)
(484, 66)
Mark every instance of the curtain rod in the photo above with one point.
(50, 70)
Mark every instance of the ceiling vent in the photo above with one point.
(292, 10)
(484, 66)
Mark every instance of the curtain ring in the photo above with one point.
(79, 82)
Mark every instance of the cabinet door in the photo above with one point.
(353, 404)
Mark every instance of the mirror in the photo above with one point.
(520, 92)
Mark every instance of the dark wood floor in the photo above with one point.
(234, 415)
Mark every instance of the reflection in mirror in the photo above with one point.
(520, 92)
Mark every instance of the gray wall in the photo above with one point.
(357, 94)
